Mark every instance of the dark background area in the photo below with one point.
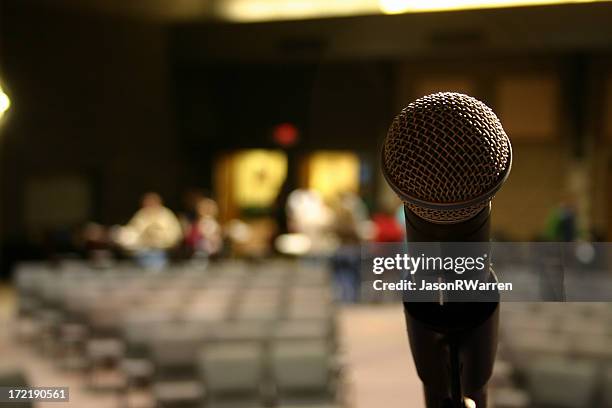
(135, 103)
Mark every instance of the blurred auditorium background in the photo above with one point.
(185, 186)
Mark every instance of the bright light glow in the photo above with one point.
(267, 10)
(333, 172)
(5, 102)
(469, 403)
(406, 6)
(270, 10)
(293, 244)
(258, 176)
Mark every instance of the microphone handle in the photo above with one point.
(454, 344)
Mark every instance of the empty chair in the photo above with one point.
(167, 300)
(27, 274)
(175, 346)
(14, 379)
(48, 322)
(105, 318)
(307, 329)
(584, 326)
(528, 321)
(174, 353)
(27, 306)
(73, 341)
(78, 303)
(103, 358)
(105, 348)
(213, 304)
(233, 374)
(312, 294)
(139, 329)
(304, 373)
(510, 308)
(524, 346)
(594, 347)
(607, 388)
(183, 394)
(309, 310)
(27, 277)
(591, 309)
(269, 278)
(53, 292)
(312, 275)
(502, 374)
(508, 397)
(206, 313)
(37, 285)
(265, 310)
(238, 331)
(561, 382)
(138, 374)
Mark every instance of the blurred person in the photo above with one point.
(346, 261)
(550, 261)
(204, 236)
(561, 225)
(96, 245)
(308, 214)
(387, 228)
(191, 198)
(355, 204)
(280, 209)
(151, 233)
(60, 242)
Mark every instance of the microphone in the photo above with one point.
(446, 155)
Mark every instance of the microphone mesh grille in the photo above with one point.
(446, 148)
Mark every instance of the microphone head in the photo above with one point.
(446, 155)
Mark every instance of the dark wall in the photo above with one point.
(91, 97)
(335, 105)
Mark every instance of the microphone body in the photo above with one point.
(463, 332)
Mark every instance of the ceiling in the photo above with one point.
(174, 11)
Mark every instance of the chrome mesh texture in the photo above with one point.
(443, 150)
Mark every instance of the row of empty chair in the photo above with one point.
(231, 334)
(561, 353)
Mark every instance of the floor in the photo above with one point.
(380, 369)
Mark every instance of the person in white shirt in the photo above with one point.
(151, 233)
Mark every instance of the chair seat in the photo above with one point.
(73, 333)
(506, 397)
(607, 387)
(106, 379)
(308, 405)
(303, 329)
(562, 382)
(105, 349)
(137, 368)
(233, 404)
(178, 391)
(594, 347)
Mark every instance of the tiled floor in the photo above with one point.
(378, 367)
